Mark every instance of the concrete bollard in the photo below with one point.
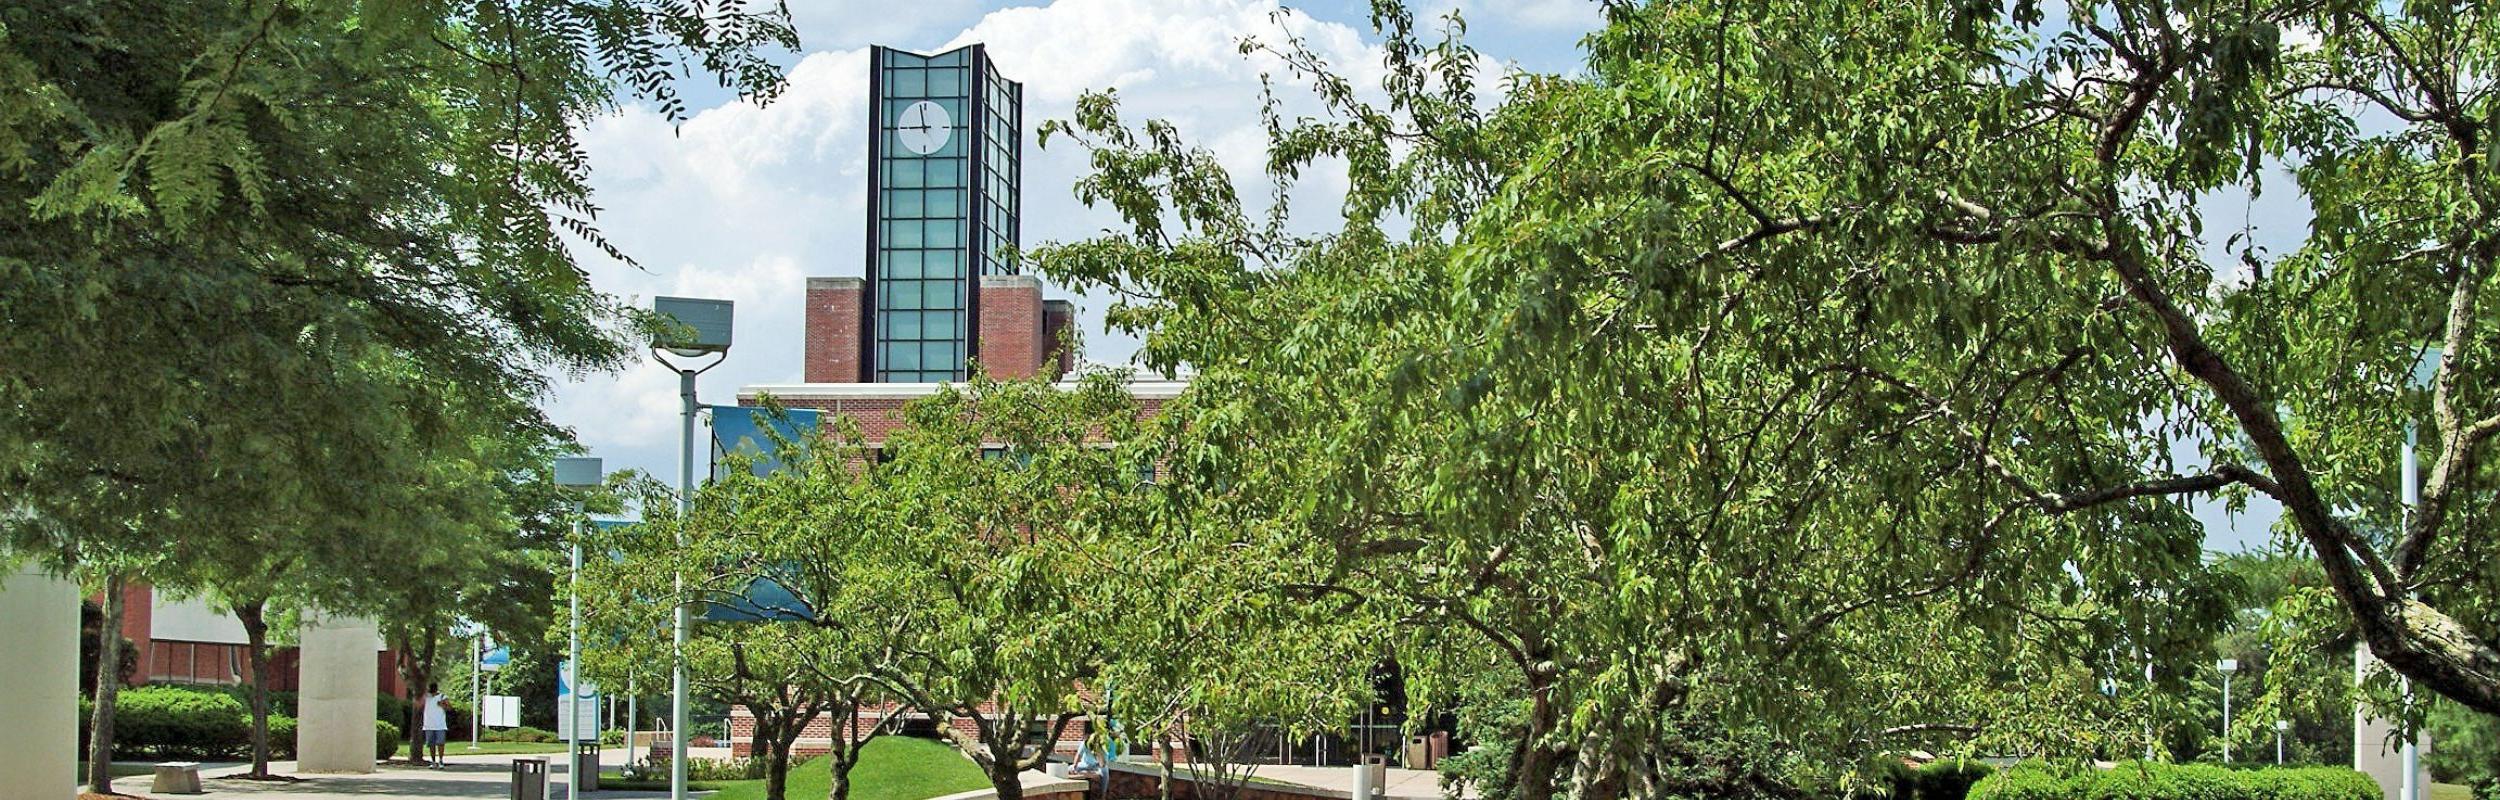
(39, 698)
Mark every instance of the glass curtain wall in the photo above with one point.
(922, 275)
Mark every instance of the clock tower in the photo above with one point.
(944, 207)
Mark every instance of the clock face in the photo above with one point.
(922, 128)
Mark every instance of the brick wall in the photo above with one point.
(1058, 327)
(1011, 343)
(833, 330)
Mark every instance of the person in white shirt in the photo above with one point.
(437, 721)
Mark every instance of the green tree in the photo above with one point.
(1822, 366)
(204, 252)
(786, 672)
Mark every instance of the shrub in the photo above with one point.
(1944, 780)
(711, 769)
(612, 738)
(385, 739)
(2487, 789)
(2032, 781)
(281, 736)
(181, 721)
(520, 734)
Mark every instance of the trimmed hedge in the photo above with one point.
(520, 734)
(2135, 780)
(184, 721)
(179, 721)
(386, 740)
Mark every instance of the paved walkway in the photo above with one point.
(481, 776)
(1421, 784)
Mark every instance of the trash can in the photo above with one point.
(1417, 754)
(1371, 776)
(585, 772)
(529, 779)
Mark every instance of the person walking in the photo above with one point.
(437, 722)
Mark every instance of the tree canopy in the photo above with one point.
(1828, 366)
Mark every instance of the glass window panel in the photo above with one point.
(938, 355)
(906, 83)
(902, 233)
(946, 82)
(940, 324)
(954, 111)
(903, 202)
(943, 233)
(903, 173)
(944, 203)
(902, 324)
(902, 355)
(902, 264)
(943, 264)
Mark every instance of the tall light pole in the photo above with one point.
(2228, 666)
(2425, 370)
(576, 473)
(697, 328)
(477, 686)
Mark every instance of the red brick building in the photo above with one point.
(184, 640)
(1018, 335)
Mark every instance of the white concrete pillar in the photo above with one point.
(39, 695)
(335, 698)
(2375, 750)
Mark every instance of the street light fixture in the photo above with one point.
(696, 328)
(578, 474)
(2281, 727)
(2228, 666)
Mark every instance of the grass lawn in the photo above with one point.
(2450, 791)
(495, 748)
(893, 768)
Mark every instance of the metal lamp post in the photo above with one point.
(2281, 726)
(2228, 666)
(477, 684)
(576, 473)
(2425, 370)
(697, 328)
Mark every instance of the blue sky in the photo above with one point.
(746, 202)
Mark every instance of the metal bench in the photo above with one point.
(177, 777)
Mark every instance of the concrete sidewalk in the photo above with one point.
(1402, 784)
(479, 776)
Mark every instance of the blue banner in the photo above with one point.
(750, 430)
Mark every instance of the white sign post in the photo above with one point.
(577, 714)
(502, 711)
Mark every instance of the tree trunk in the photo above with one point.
(420, 671)
(1005, 779)
(777, 768)
(841, 783)
(1532, 775)
(842, 757)
(1163, 766)
(256, 639)
(108, 684)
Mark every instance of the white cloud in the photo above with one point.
(1576, 16)
(745, 202)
